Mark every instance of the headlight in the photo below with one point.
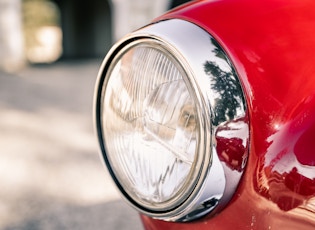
(171, 120)
(151, 125)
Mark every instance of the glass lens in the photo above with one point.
(150, 125)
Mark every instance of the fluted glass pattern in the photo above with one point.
(150, 124)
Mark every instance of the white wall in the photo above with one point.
(129, 15)
(11, 39)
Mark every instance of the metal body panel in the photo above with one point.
(271, 44)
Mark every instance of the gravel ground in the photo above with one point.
(50, 172)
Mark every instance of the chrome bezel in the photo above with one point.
(215, 183)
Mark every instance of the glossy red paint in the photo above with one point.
(232, 150)
(272, 45)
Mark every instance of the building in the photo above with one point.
(89, 28)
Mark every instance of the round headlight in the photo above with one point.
(163, 127)
(151, 125)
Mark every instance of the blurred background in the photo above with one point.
(51, 175)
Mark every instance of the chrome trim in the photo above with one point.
(223, 110)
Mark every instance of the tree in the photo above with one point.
(226, 84)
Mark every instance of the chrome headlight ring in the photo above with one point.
(172, 121)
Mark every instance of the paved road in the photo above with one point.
(51, 176)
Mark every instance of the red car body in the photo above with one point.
(272, 46)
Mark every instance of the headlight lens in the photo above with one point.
(151, 125)
(171, 120)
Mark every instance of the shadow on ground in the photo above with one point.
(94, 217)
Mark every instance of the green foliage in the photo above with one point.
(37, 13)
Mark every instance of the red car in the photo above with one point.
(206, 117)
